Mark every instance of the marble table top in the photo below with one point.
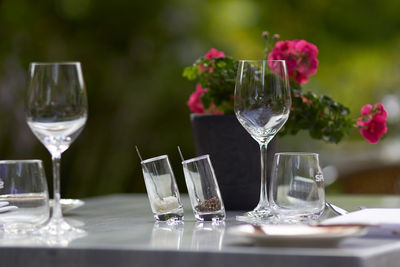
(122, 232)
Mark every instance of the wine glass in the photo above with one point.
(262, 104)
(56, 111)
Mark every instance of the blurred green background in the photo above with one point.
(133, 54)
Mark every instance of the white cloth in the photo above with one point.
(3, 203)
(8, 208)
(384, 222)
(368, 216)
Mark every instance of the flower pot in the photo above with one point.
(235, 156)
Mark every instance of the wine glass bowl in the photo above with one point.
(56, 112)
(262, 104)
(262, 98)
(56, 104)
(57, 136)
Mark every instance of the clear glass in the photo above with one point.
(262, 104)
(162, 190)
(24, 198)
(203, 189)
(297, 187)
(56, 111)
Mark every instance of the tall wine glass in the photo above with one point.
(262, 106)
(56, 111)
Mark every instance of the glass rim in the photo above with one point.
(153, 159)
(195, 159)
(262, 60)
(16, 161)
(296, 154)
(63, 63)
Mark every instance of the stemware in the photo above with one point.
(262, 104)
(56, 112)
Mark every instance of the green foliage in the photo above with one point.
(218, 76)
(323, 117)
(191, 72)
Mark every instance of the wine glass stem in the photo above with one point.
(264, 175)
(57, 214)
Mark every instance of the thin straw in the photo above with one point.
(138, 152)
(191, 178)
(151, 176)
(180, 153)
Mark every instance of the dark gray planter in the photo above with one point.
(235, 156)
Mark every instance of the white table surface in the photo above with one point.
(122, 232)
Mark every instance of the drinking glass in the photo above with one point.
(262, 104)
(56, 111)
(162, 190)
(203, 189)
(24, 195)
(297, 187)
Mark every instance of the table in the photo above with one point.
(122, 232)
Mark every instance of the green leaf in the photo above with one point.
(206, 100)
(191, 72)
(221, 64)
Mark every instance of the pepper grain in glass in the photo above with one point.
(203, 189)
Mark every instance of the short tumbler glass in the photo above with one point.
(23, 187)
(162, 190)
(203, 189)
(297, 191)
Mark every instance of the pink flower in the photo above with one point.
(194, 103)
(366, 110)
(373, 122)
(213, 109)
(304, 99)
(196, 106)
(300, 56)
(214, 53)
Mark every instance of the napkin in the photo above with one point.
(3, 203)
(386, 222)
(8, 208)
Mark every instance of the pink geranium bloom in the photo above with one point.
(194, 103)
(213, 109)
(304, 99)
(196, 106)
(373, 122)
(366, 109)
(214, 53)
(300, 56)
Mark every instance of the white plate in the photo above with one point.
(295, 235)
(69, 204)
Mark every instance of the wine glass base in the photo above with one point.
(256, 216)
(59, 227)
